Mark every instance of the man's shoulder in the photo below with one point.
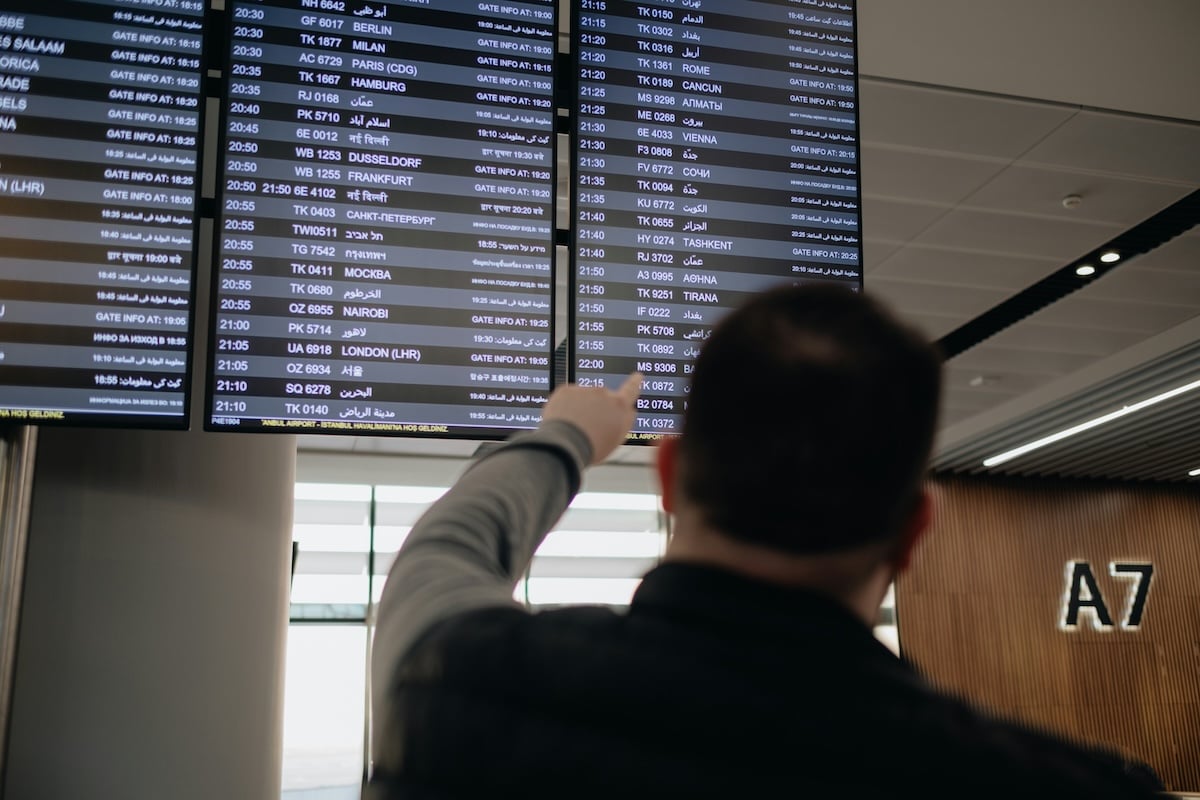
(498, 625)
(957, 741)
(459, 647)
(639, 687)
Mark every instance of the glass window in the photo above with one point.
(598, 551)
(331, 528)
(885, 626)
(396, 509)
(324, 716)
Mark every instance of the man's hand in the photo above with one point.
(604, 415)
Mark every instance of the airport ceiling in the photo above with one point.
(1001, 144)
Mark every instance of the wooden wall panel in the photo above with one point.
(980, 612)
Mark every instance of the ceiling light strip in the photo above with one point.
(1033, 427)
(1145, 379)
(1134, 449)
(1074, 430)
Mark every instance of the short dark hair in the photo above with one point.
(809, 421)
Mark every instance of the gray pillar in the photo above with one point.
(17, 448)
(151, 647)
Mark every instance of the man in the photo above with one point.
(745, 665)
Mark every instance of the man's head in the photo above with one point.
(809, 424)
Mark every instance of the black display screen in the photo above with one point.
(99, 118)
(386, 228)
(716, 155)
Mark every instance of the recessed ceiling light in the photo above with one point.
(1194, 472)
(1037, 444)
(1083, 270)
(1110, 257)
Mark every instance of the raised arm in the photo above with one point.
(471, 546)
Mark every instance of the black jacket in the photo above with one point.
(711, 685)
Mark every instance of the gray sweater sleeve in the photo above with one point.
(472, 545)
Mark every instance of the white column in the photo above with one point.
(151, 648)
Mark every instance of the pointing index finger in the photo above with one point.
(631, 389)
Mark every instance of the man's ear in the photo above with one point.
(914, 529)
(666, 459)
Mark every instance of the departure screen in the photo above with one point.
(386, 226)
(99, 119)
(716, 155)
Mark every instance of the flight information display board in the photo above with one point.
(386, 228)
(99, 119)
(716, 155)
